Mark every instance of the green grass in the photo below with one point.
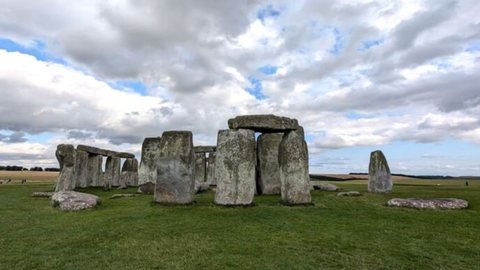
(335, 233)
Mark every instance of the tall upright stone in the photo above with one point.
(147, 172)
(293, 162)
(95, 175)
(66, 158)
(111, 176)
(211, 169)
(81, 169)
(129, 175)
(268, 169)
(379, 177)
(235, 167)
(200, 167)
(175, 182)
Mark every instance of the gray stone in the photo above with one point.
(349, 194)
(147, 172)
(268, 176)
(204, 148)
(74, 201)
(42, 194)
(379, 178)
(263, 123)
(211, 169)
(129, 175)
(175, 169)
(103, 152)
(438, 203)
(66, 158)
(95, 175)
(200, 167)
(294, 177)
(115, 196)
(81, 169)
(235, 167)
(147, 188)
(325, 187)
(111, 176)
(201, 186)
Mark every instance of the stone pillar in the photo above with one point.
(235, 167)
(66, 156)
(81, 169)
(200, 167)
(175, 169)
(379, 177)
(268, 176)
(211, 169)
(129, 175)
(147, 172)
(95, 175)
(293, 161)
(111, 176)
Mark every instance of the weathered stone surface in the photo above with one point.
(201, 186)
(104, 152)
(115, 196)
(379, 178)
(418, 203)
(175, 169)
(349, 194)
(211, 169)
(294, 177)
(147, 172)
(268, 176)
(235, 167)
(200, 167)
(129, 175)
(95, 174)
(81, 169)
(147, 188)
(74, 201)
(111, 176)
(263, 123)
(42, 194)
(66, 158)
(204, 148)
(325, 186)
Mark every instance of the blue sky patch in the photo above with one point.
(339, 41)
(134, 85)
(256, 88)
(356, 115)
(473, 47)
(37, 50)
(267, 12)
(367, 44)
(268, 69)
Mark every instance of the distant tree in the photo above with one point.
(14, 168)
(3, 168)
(36, 169)
(52, 169)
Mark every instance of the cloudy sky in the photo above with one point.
(400, 76)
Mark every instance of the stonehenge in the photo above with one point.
(129, 174)
(147, 172)
(82, 167)
(204, 164)
(379, 177)
(268, 178)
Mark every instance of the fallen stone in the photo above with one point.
(66, 158)
(379, 177)
(349, 194)
(200, 167)
(201, 186)
(418, 203)
(204, 148)
(263, 123)
(175, 169)
(325, 187)
(42, 194)
(235, 167)
(147, 188)
(268, 169)
(74, 201)
(95, 174)
(147, 172)
(211, 169)
(115, 196)
(294, 177)
(81, 169)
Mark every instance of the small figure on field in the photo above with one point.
(9, 180)
(466, 183)
(24, 181)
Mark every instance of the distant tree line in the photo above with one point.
(33, 169)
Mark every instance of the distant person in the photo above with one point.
(24, 181)
(466, 183)
(9, 180)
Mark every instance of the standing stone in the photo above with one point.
(66, 158)
(268, 177)
(129, 175)
(211, 169)
(293, 161)
(95, 176)
(111, 176)
(200, 167)
(379, 178)
(81, 169)
(147, 172)
(175, 168)
(235, 167)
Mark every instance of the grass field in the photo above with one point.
(335, 233)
